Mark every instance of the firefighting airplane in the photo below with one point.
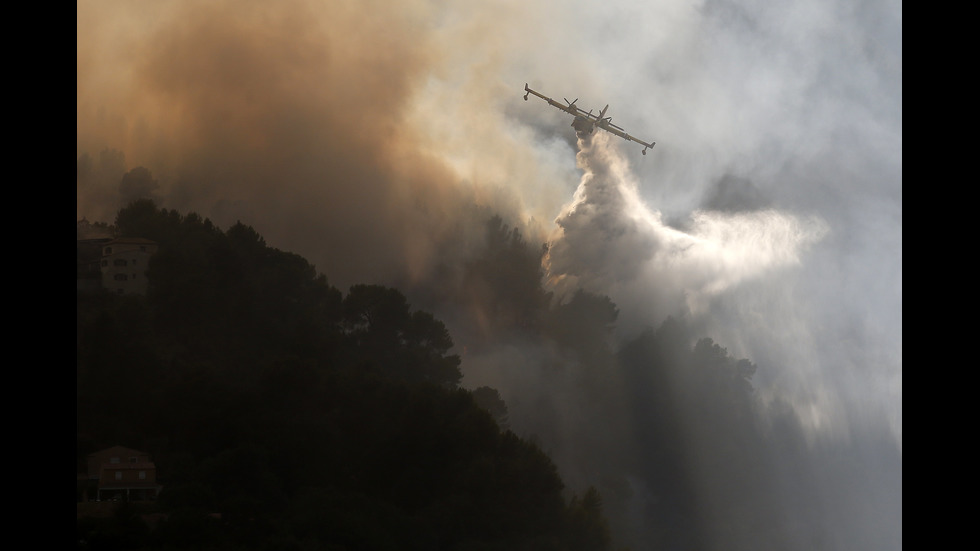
(585, 123)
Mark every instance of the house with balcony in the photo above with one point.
(123, 474)
(124, 263)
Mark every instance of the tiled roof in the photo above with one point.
(131, 240)
(120, 485)
(126, 465)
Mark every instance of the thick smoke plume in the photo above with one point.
(294, 120)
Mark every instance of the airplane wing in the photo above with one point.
(618, 131)
(570, 106)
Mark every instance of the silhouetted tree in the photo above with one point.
(489, 399)
(695, 415)
(587, 529)
(505, 281)
(584, 324)
(138, 183)
(410, 346)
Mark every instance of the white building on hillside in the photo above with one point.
(124, 264)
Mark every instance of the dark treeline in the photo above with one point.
(306, 417)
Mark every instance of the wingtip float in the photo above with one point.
(585, 122)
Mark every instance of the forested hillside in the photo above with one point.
(284, 413)
(305, 417)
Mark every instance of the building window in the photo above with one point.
(119, 277)
(142, 475)
(108, 250)
(118, 475)
(113, 460)
(119, 262)
(105, 262)
(143, 248)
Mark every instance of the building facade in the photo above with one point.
(124, 263)
(89, 239)
(123, 474)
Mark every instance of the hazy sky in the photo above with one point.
(368, 135)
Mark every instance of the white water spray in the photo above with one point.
(609, 241)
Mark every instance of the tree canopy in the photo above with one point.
(284, 414)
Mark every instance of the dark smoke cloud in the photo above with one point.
(287, 118)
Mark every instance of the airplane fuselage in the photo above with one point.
(583, 125)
